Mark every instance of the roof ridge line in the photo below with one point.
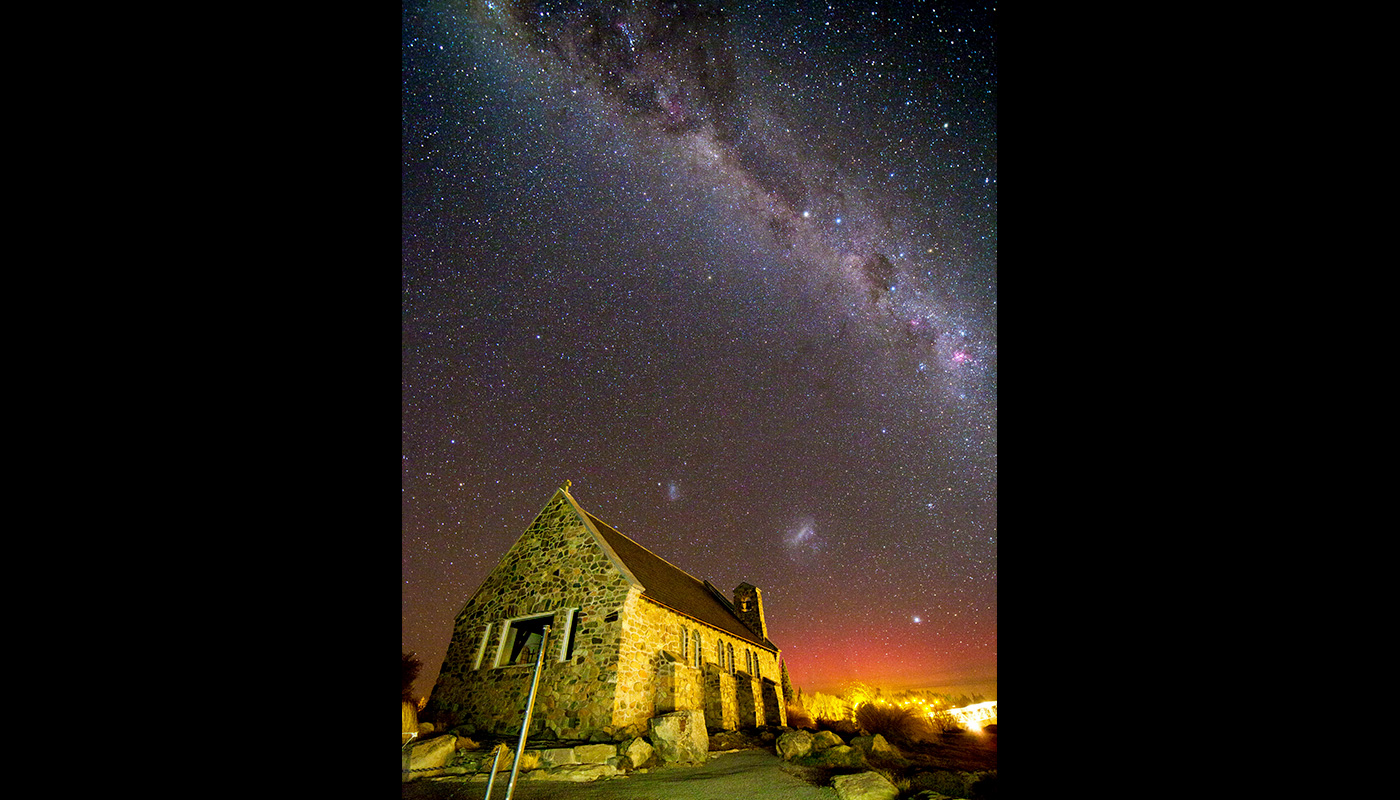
(590, 523)
(649, 551)
(717, 593)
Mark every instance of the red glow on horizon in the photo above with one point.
(894, 660)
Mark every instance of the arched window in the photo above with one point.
(699, 655)
(685, 644)
(731, 658)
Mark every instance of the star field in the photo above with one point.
(731, 269)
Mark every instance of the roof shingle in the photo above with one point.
(673, 587)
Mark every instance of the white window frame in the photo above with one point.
(568, 635)
(481, 649)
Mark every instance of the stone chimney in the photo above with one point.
(748, 604)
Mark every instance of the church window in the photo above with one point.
(521, 639)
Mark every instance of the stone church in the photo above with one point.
(630, 636)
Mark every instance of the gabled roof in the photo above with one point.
(669, 585)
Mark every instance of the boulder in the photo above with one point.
(530, 759)
(839, 756)
(952, 783)
(594, 753)
(430, 753)
(824, 739)
(557, 756)
(575, 773)
(793, 744)
(680, 737)
(877, 747)
(638, 751)
(864, 786)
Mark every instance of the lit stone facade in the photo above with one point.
(615, 656)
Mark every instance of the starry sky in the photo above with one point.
(730, 268)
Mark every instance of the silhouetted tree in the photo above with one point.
(411, 665)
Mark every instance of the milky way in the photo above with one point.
(730, 267)
(671, 72)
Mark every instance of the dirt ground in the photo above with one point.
(748, 773)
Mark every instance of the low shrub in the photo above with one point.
(943, 722)
(897, 725)
(841, 727)
(798, 717)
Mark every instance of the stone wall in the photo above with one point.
(748, 700)
(721, 713)
(654, 676)
(774, 706)
(554, 567)
(679, 688)
(646, 631)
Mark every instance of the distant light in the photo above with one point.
(918, 619)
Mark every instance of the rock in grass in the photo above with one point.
(838, 756)
(793, 744)
(429, 753)
(875, 746)
(864, 786)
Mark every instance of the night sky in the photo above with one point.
(730, 268)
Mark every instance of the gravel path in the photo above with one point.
(755, 774)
